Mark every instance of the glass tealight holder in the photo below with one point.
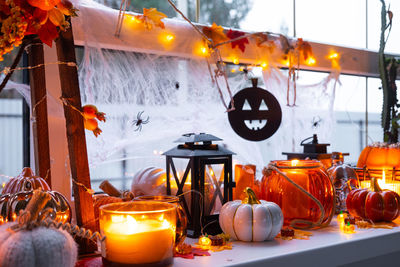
(181, 219)
(140, 233)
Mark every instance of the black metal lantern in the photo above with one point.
(206, 173)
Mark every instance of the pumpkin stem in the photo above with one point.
(251, 197)
(108, 188)
(35, 206)
(374, 185)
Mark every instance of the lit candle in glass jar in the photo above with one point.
(138, 233)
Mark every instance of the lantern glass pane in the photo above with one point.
(180, 166)
(213, 188)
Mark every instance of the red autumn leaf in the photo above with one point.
(47, 33)
(40, 16)
(241, 43)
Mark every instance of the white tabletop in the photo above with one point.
(327, 247)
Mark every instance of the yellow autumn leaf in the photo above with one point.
(152, 17)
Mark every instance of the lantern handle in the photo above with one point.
(314, 140)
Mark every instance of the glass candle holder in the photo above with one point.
(181, 219)
(140, 233)
(295, 204)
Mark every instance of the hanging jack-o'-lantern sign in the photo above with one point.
(257, 115)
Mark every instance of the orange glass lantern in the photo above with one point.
(139, 233)
(296, 205)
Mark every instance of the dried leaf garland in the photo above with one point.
(152, 17)
(304, 48)
(240, 43)
(262, 40)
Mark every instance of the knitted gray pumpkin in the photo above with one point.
(39, 247)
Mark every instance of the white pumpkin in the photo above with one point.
(251, 219)
(149, 181)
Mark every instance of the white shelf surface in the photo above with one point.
(327, 247)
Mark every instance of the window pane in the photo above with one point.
(274, 16)
(11, 132)
(349, 132)
(340, 22)
(10, 137)
(375, 96)
(374, 26)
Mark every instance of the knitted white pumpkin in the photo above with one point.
(39, 247)
(26, 244)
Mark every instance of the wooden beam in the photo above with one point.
(40, 128)
(75, 133)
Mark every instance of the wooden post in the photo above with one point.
(39, 110)
(75, 135)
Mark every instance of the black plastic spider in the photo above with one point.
(316, 122)
(139, 121)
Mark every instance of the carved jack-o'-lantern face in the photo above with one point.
(257, 114)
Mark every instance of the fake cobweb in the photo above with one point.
(179, 97)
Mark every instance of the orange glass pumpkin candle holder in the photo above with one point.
(299, 209)
(140, 233)
(380, 161)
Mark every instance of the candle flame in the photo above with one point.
(382, 182)
(127, 224)
(295, 162)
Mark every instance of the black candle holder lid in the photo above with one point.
(313, 146)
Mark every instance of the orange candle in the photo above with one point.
(244, 177)
(138, 233)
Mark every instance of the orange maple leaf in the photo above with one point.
(152, 17)
(215, 33)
